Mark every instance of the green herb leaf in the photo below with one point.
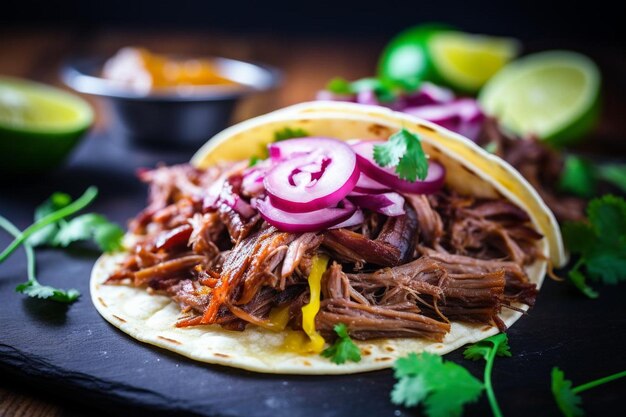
(344, 349)
(340, 86)
(442, 386)
(404, 151)
(580, 282)
(32, 288)
(488, 349)
(385, 90)
(46, 235)
(568, 401)
(35, 290)
(289, 133)
(481, 350)
(108, 236)
(614, 174)
(578, 177)
(600, 243)
(253, 161)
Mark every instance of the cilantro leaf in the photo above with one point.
(404, 151)
(385, 90)
(566, 396)
(46, 235)
(35, 290)
(481, 350)
(443, 387)
(488, 349)
(568, 401)
(344, 348)
(253, 161)
(32, 287)
(578, 177)
(340, 86)
(289, 133)
(108, 236)
(599, 243)
(580, 282)
(614, 174)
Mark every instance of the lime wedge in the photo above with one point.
(466, 61)
(39, 124)
(406, 60)
(553, 95)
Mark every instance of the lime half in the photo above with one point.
(39, 124)
(553, 95)
(466, 62)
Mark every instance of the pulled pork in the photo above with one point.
(539, 164)
(449, 257)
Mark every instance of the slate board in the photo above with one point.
(72, 353)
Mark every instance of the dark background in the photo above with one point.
(598, 22)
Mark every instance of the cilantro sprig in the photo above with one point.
(32, 287)
(385, 90)
(344, 349)
(52, 227)
(279, 135)
(581, 177)
(404, 151)
(443, 387)
(566, 396)
(599, 243)
(289, 133)
(488, 349)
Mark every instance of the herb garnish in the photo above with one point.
(567, 397)
(32, 287)
(442, 386)
(289, 133)
(488, 349)
(279, 135)
(600, 244)
(385, 90)
(404, 151)
(52, 228)
(581, 177)
(344, 348)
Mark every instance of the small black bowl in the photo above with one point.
(184, 117)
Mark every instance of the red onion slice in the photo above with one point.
(356, 219)
(389, 204)
(463, 116)
(318, 173)
(387, 176)
(367, 185)
(304, 222)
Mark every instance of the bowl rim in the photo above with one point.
(78, 73)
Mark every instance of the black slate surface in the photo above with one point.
(71, 353)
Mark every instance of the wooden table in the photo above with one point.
(307, 63)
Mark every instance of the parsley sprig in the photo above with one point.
(600, 244)
(52, 228)
(567, 397)
(488, 349)
(404, 151)
(443, 387)
(344, 349)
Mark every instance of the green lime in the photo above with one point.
(39, 124)
(465, 62)
(553, 95)
(406, 60)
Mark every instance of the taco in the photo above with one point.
(251, 255)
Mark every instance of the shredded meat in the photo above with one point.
(449, 257)
(539, 164)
